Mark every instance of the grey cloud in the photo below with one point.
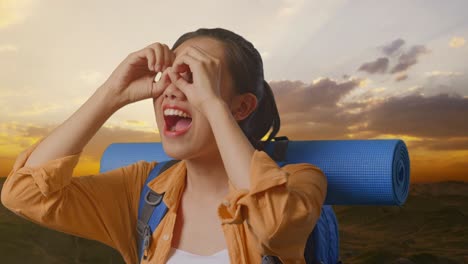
(404, 59)
(435, 84)
(409, 58)
(308, 113)
(393, 47)
(435, 116)
(380, 65)
(299, 97)
(310, 110)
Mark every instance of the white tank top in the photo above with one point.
(177, 256)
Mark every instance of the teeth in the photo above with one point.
(175, 112)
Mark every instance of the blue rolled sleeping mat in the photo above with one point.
(359, 172)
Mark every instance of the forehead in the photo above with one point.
(211, 46)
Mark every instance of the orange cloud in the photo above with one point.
(433, 127)
(15, 137)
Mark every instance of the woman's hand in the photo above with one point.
(133, 79)
(204, 69)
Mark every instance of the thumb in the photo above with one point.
(159, 86)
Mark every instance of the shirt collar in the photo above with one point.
(172, 183)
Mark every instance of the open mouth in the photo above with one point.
(175, 123)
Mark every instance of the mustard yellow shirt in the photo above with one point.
(274, 217)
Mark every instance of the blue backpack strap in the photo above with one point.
(323, 243)
(151, 209)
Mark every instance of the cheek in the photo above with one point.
(201, 124)
(158, 112)
(206, 128)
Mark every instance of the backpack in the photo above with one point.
(322, 245)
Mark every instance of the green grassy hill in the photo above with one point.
(432, 227)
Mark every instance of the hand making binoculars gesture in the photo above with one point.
(133, 79)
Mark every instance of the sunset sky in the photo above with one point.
(339, 70)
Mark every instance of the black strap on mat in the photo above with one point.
(280, 148)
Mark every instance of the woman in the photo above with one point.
(228, 200)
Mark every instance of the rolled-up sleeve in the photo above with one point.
(282, 206)
(100, 207)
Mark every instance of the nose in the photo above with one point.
(172, 92)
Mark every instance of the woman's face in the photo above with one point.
(199, 138)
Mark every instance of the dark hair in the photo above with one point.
(246, 68)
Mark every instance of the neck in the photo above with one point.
(207, 179)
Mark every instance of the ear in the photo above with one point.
(242, 105)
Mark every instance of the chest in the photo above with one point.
(196, 223)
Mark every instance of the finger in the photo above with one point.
(173, 56)
(201, 54)
(167, 57)
(194, 52)
(161, 84)
(156, 47)
(164, 77)
(159, 50)
(143, 54)
(185, 62)
(178, 81)
(204, 56)
(151, 58)
(180, 67)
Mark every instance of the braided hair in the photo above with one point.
(246, 67)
